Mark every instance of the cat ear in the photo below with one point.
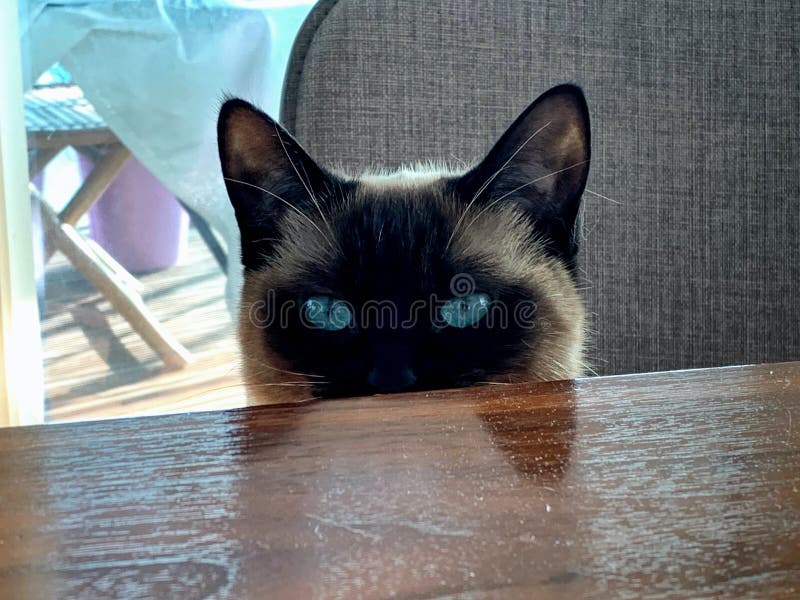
(266, 173)
(540, 164)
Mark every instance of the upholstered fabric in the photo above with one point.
(692, 254)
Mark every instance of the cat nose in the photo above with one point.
(386, 381)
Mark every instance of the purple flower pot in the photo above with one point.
(139, 222)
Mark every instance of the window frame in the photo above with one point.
(21, 367)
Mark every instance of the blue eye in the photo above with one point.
(465, 311)
(323, 312)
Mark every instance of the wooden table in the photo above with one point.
(682, 484)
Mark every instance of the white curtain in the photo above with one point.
(157, 71)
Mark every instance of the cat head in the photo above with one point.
(416, 279)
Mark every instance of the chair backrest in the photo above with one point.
(692, 219)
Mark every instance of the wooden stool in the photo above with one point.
(60, 116)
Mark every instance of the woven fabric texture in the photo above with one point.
(691, 253)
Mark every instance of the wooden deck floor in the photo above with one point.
(96, 367)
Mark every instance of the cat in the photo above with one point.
(411, 280)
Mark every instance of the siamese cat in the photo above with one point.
(410, 280)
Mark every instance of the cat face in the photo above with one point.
(417, 279)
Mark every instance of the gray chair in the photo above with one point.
(691, 253)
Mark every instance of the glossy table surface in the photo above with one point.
(681, 484)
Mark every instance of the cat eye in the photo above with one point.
(465, 311)
(324, 312)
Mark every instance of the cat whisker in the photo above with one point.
(518, 188)
(459, 160)
(286, 202)
(246, 385)
(340, 196)
(285, 384)
(586, 367)
(307, 186)
(265, 365)
(489, 181)
(554, 365)
(601, 196)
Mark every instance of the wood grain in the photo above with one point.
(682, 484)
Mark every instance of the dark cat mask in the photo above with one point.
(417, 279)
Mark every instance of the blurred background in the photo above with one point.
(132, 231)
